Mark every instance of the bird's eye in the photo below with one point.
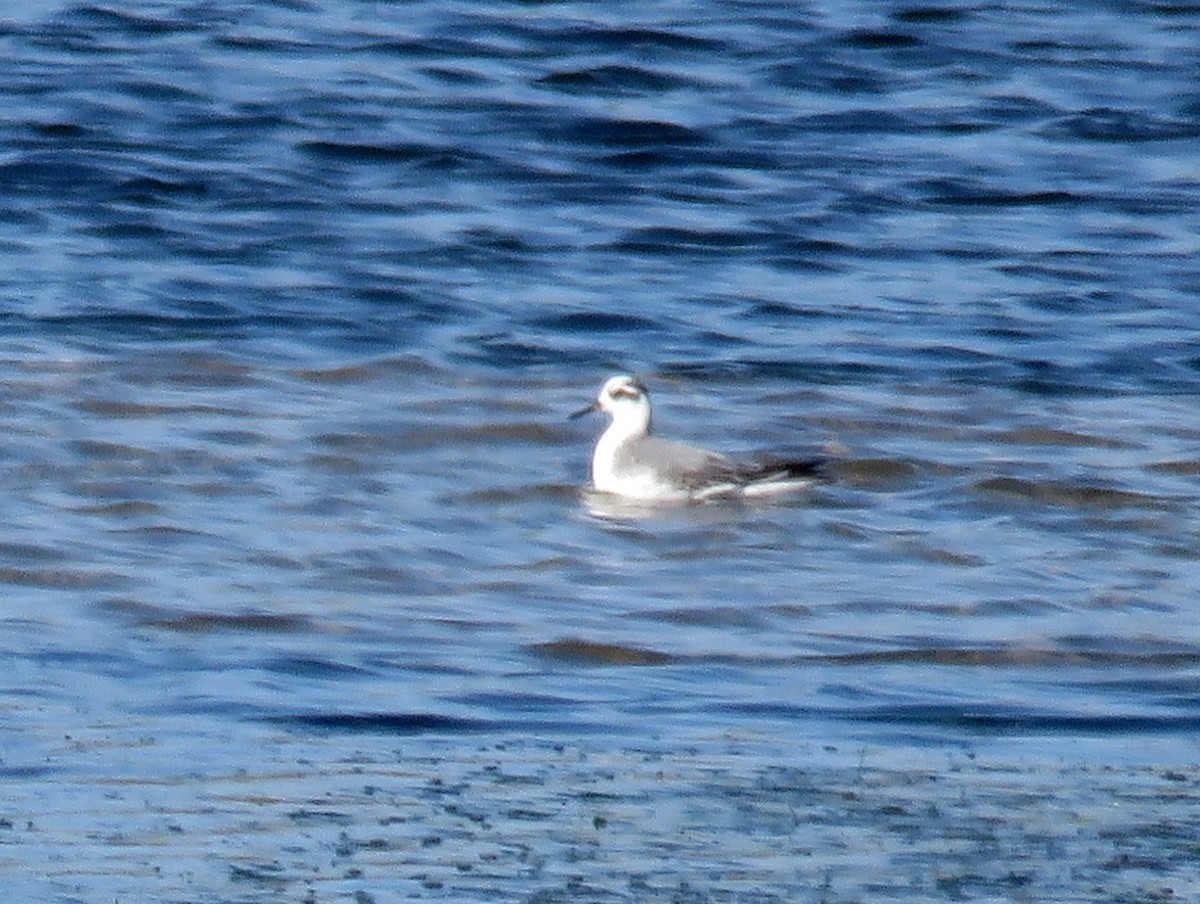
(625, 392)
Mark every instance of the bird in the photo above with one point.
(631, 462)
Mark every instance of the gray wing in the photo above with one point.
(699, 469)
(689, 466)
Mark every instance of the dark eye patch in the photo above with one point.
(626, 392)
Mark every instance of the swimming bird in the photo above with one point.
(630, 461)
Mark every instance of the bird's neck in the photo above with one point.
(625, 426)
(628, 424)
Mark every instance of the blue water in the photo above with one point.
(303, 598)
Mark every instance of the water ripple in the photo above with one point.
(296, 534)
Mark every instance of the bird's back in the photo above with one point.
(677, 462)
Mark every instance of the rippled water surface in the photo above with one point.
(303, 595)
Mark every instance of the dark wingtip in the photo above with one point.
(807, 467)
(789, 469)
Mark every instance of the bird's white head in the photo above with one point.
(626, 401)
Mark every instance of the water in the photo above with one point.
(303, 598)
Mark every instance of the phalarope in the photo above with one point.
(628, 461)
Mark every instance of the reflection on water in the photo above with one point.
(715, 510)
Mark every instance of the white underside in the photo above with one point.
(649, 487)
(654, 491)
(644, 485)
(644, 488)
(765, 489)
